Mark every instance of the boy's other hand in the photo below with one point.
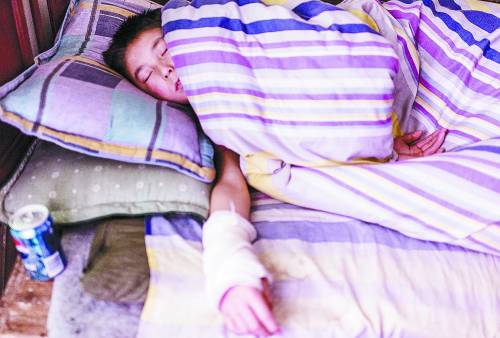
(248, 310)
(411, 145)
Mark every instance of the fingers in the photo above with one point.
(412, 137)
(246, 321)
(263, 312)
(247, 311)
(253, 323)
(232, 325)
(432, 143)
(429, 145)
(440, 139)
(429, 139)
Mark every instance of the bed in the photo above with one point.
(132, 231)
(333, 277)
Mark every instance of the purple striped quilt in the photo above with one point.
(333, 277)
(280, 85)
(347, 269)
(271, 79)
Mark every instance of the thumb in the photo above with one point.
(412, 137)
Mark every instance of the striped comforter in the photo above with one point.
(349, 270)
(315, 87)
(333, 277)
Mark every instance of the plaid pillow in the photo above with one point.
(71, 98)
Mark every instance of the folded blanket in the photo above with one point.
(451, 198)
(307, 88)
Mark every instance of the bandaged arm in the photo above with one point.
(228, 256)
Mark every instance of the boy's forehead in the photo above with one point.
(144, 43)
(140, 50)
(149, 36)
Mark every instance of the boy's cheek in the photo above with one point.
(152, 89)
(158, 92)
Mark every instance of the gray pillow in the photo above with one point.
(117, 268)
(76, 187)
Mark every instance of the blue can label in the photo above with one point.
(37, 243)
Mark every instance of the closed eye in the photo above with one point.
(144, 77)
(164, 52)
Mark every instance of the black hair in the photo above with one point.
(128, 31)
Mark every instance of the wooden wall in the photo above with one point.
(11, 58)
(27, 27)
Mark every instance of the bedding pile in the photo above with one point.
(405, 249)
(441, 59)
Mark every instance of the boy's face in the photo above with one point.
(150, 67)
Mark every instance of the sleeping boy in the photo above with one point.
(237, 282)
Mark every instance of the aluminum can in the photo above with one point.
(37, 243)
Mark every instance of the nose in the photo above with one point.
(166, 71)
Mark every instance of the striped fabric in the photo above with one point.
(449, 70)
(340, 276)
(452, 198)
(72, 99)
(333, 277)
(312, 85)
(459, 81)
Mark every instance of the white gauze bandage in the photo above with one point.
(228, 257)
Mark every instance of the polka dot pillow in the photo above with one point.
(76, 187)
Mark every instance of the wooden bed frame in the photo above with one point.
(28, 28)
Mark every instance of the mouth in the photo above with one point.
(178, 85)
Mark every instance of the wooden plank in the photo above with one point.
(26, 35)
(11, 63)
(43, 25)
(24, 306)
(8, 255)
(17, 335)
(57, 9)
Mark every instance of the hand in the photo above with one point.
(409, 146)
(247, 310)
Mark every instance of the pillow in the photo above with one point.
(76, 187)
(117, 268)
(71, 98)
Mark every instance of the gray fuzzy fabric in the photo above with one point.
(74, 313)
